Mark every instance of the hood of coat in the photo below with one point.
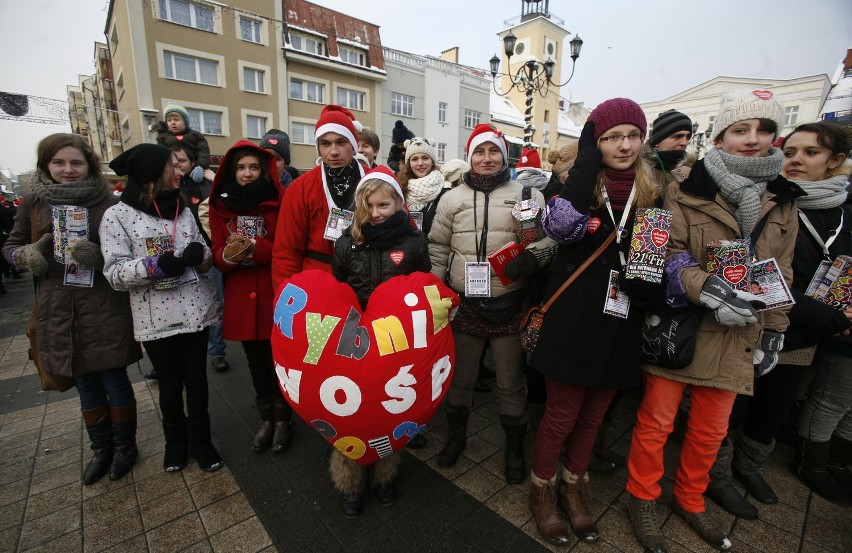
(226, 168)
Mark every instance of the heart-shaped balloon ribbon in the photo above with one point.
(367, 381)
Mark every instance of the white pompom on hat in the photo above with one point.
(747, 103)
(338, 119)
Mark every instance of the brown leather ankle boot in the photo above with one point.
(543, 506)
(573, 498)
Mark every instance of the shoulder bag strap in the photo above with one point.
(579, 271)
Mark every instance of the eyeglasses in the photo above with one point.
(616, 139)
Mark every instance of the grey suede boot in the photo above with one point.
(721, 488)
(747, 466)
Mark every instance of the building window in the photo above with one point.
(250, 29)
(442, 151)
(791, 113)
(402, 104)
(187, 13)
(205, 121)
(306, 43)
(352, 56)
(442, 112)
(119, 86)
(255, 126)
(113, 37)
(351, 99)
(301, 133)
(471, 118)
(188, 68)
(253, 79)
(710, 121)
(307, 91)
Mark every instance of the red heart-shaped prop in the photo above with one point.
(762, 94)
(593, 225)
(659, 237)
(367, 381)
(734, 273)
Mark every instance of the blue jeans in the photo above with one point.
(828, 409)
(216, 286)
(104, 387)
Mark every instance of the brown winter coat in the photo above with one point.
(79, 330)
(723, 355)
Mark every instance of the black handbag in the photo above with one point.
(499, 310)
(669, 336)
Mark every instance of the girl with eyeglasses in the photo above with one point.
(607, 183)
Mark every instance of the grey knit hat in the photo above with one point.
(668, 123)
(278, 141)
(747, 103)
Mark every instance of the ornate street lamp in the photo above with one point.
(533, 76)
(700, 140)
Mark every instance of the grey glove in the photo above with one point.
(197, 174)
(766, 357)
(35, 257)
(88, 253)
(728, 308)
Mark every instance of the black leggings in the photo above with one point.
(181, 361)
(761, 416)
(262, 368)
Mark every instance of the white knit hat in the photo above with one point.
(747, 103)
(418, 145)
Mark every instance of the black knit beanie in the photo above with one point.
(401, 133)
(278, 141)
(668, 123)
(142, 163)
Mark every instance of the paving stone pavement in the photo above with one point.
(284, 502)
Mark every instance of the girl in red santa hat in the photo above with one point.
(381, 236)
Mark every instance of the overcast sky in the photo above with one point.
(645, 50)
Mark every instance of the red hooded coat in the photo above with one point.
(249, 296)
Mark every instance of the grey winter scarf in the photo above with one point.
(742, 180)
(423, 190)
(823, 194)
(86, 193)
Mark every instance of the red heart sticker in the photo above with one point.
(272, 140)
(367, 381)
(659, 237)
(397, 256)
(734, 273)
(762, 94)
(593, 225)
(179, 136)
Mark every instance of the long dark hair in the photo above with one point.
(829, 135)
(51, 144)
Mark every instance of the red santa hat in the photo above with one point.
(486, 132)
(338, 119)
(382, 173)
(529, 158)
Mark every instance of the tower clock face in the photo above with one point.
(519, 48)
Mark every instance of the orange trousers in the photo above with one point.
(707, 427)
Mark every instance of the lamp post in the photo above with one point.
(700, 140)
(533, 76)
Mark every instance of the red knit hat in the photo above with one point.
(383, 173)
(486, 132)
(617, 111)
(338, 119)
(529, 158)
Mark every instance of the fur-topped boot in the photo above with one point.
(384, 476)
(348, 478)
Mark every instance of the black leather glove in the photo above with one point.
(579, 189)
(523, 265)
(193, 254)
(641, 292)
(171, 264)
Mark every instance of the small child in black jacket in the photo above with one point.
(175, 130)
(382, 243)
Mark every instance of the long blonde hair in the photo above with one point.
(362, 210)
(647, 191)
